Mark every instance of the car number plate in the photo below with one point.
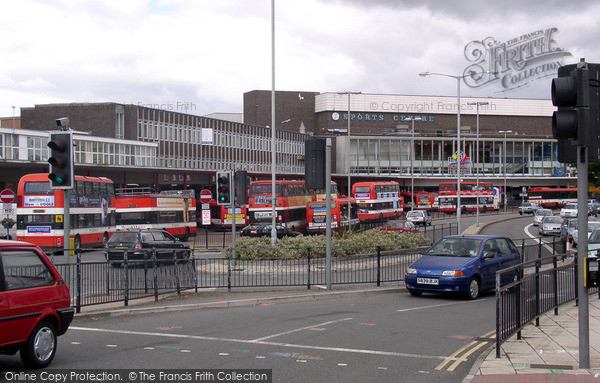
(428, 281)
(121, 247)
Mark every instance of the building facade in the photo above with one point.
(147, 146)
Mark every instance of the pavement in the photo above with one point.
(546, 353)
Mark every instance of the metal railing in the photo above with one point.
(101, 282)
(537, 287)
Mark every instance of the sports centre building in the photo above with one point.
(159, 146)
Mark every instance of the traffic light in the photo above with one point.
(224, 187)
(61, 160)
(241, 187)
(576, 122)
(314, 163)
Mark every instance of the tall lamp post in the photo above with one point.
(478, 103)
(505, 193)
(458, 79)
(349, 93)
(412, 156)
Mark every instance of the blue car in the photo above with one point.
(465, 265)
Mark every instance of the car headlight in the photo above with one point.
(453, 273)
(410, 270)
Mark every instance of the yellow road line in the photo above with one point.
(462, 359)
(465, 356)
(453, 355)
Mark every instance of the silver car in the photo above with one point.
(550, 225)
(539, 214)
(419, 217)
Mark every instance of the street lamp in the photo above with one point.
(478, 103)
(349, 93)
(412, 156)
(458, 78)
(505, 194)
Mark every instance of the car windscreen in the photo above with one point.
(595, 237)
(123, 236)
(455, 247)
(553, 219)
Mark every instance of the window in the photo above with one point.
(24, 269)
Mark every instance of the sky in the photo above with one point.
(200, 56)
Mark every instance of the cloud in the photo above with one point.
(210, 52)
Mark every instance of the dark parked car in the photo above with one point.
(35, 305)
(462, 264)
(264, 230)
(140, 245)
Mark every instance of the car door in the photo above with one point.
(26, 288)
(490, 263)
(509, 256)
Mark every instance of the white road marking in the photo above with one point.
(301, 329)
(75, 343)
(440, 305)
(223, 354)
(245, 341)
(342, 364)
(526, 230)
(112, 345)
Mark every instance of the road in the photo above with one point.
(377, 338)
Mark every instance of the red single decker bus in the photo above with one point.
(489, 197)
(220, 216)
(377, 199)
(40, 212)
(170, 210)
(316, 214)
(290, 207)
(551, 197)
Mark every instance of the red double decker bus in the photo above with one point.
(40, 212)
(170, 210)
(378, 199)
(290, 207)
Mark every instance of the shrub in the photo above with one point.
(350, 243)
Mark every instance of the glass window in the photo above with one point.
(24, 269)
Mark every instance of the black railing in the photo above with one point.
(538, 286)
(93, 283)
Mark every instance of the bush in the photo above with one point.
(350, 243)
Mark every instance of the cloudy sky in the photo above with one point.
(207, 53)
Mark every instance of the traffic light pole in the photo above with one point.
(67, 238)
(582, 253)
(328, 212)
(233, 219)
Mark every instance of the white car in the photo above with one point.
(592, 225)
(419, 217)
(569, 211)
(539, 214)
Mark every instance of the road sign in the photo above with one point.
(206, 217)
(7, 196)
(205, 196)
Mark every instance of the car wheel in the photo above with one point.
(520, 213)
(474, 289)
(40, 348)
(415, 293)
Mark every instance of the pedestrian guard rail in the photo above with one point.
(539, 286)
